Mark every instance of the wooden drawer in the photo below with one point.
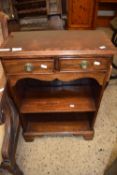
(78, 64)
(28, 66)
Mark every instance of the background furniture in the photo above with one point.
(82, 14)
(3, 27)
(108, 7)
(9, 119)
(58, 87)
(38, 15)
(29, 8)
(38, 8)
(85, 14)
(78, 14)
(9, 129)
(6, 7)
(114, 27)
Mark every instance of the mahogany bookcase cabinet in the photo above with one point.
(57, 79)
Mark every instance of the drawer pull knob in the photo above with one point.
(84, 64)
(44, 66)
(97, 63)
(28, 67)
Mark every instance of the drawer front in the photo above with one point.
(28, 66)
(90, 64)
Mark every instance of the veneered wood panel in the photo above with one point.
(81, 13)
(19, 66)
(74, 65)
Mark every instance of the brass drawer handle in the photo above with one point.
(84, 64)
(28, 67)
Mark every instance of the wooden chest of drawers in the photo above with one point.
(57, 79)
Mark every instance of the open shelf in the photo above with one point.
(56, 96)
(57, 124)
(57, 107)
(58, 99)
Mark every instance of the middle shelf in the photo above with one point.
(53, 99)
(50, 97)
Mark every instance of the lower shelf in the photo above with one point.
(59, 126)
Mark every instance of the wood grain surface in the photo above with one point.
(81, 14)
(45, 43)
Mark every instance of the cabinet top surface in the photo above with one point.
(50, 43)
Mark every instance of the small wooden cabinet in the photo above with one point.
(82, 14)
(57, 79)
